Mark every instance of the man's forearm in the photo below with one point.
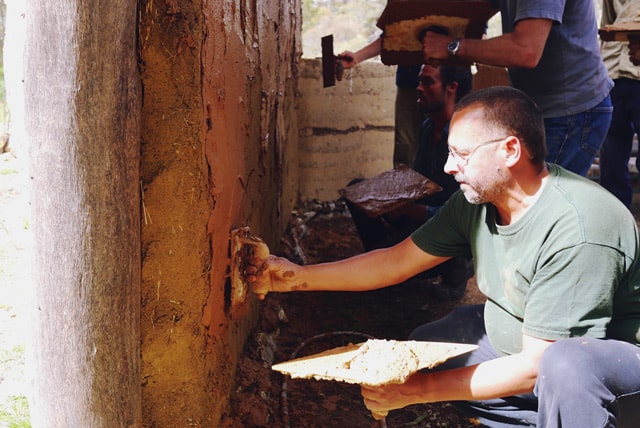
(369, 51)
(501, 377)
(367, 271)
(522, 48)
(503, 51)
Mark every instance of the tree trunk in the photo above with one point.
(82, 115)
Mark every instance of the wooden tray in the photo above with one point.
(620, 32)
(336, 364)
(402, 21)
(389, 190)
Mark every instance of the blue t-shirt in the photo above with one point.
(571, 76)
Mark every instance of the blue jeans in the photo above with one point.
(573, 141)
(582, 382)
(616, 151)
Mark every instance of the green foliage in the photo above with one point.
(14, 412)
(14, 409)
(352, 23)
(11, 359)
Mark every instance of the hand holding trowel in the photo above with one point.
(245, 250)
(253, 267)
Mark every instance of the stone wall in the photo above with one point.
(345, 131)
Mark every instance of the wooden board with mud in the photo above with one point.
(389, 190)
(375, 362)
(402, 22)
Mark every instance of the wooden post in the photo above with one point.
(82, 116)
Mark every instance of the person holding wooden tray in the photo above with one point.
(552, 53)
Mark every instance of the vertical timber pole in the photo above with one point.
(82, 119)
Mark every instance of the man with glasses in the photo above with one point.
(558, 335)
(464, 159)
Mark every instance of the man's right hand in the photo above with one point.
(348, 59)
(272, 274)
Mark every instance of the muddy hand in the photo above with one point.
(256, 274)
(274, 274)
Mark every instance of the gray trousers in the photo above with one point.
(582, 382)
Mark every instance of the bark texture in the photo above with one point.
(82, 119)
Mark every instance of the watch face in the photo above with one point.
(453, 46)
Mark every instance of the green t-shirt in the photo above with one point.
(569, 267)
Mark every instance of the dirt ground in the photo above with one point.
(299, 324)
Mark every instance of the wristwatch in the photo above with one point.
(453, 47)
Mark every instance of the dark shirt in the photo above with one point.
(407, 76)
(430, 161)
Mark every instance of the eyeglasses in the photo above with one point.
(463, 160)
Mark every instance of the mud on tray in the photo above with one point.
(387, 191)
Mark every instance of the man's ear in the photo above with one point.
(452, 88)
(514, 151)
